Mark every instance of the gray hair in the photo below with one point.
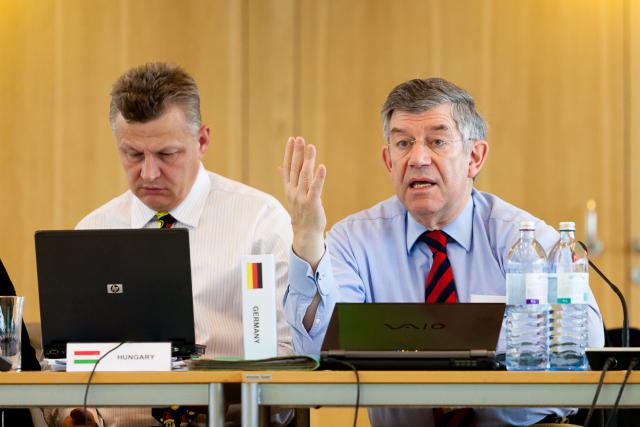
(143, 94)
(420, 95)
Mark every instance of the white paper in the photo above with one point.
(488, 298)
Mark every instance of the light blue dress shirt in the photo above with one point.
(375, 256)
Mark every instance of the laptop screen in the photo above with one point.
(114, 286)
(411, 327)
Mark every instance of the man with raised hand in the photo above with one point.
(435, 146)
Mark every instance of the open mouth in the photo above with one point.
(421, 184)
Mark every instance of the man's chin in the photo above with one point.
(157, 203)
(423, 205)
(425, 213)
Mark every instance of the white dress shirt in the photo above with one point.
(226, 220)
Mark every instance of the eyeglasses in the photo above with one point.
(402, 146)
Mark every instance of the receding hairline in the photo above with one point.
(166, 109)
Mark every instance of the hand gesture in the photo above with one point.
(303, 190)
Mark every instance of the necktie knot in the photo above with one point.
(166, 219)
(436, 240)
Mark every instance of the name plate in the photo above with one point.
(259, 307)
(131, 356)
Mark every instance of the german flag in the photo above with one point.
(254, 275)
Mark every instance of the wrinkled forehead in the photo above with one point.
(436, 120)
(168, 130)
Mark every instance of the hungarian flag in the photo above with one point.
(86, 357)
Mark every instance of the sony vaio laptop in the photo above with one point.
(114, 286)
(413, 336)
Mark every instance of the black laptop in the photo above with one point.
(114, 286)
(413, 336)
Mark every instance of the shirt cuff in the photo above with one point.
(302, 278)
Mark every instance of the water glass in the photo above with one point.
(11, 329)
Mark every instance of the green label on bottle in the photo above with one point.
(573, 287)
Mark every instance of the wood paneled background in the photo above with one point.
(556, 80)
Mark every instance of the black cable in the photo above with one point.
(610, 362)
(623, 301)
(632, 364)
(86, 390)
(602, 417)
(355, 371)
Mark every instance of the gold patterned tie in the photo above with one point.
(165, 219)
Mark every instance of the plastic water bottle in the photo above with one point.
(568, 296)
(527, 308)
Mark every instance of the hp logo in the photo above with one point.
(115, 288)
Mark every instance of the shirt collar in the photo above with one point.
(459, 230)
(188, 212)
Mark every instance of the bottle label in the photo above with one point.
(536, 288)
(515, 289)
(529, 288)
(573, 288)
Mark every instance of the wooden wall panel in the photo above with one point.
(352, 54)
(87, 167)
(556, 133)
(27, 45)
(632, 162)
(270, 97)
(206, 38)
(547, 75)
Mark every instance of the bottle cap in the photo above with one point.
(527, 225)
(567, 226)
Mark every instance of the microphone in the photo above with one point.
(623, 301)
(619, 358)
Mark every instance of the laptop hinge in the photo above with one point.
(482, 353)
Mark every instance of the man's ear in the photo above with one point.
(386, 157)
(477, 157)
(204, 138)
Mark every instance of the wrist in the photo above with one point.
(310, 248)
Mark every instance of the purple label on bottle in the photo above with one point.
(533, 301)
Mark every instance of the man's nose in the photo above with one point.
(420, 155)
(150, 169)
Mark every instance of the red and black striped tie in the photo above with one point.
(441, 287)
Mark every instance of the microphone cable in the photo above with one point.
(86, 390)
(355, 371)
(609, 363)
(632, 364)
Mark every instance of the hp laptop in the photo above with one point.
(413, 336)
(114, 286)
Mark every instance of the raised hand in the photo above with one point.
(303, 190)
